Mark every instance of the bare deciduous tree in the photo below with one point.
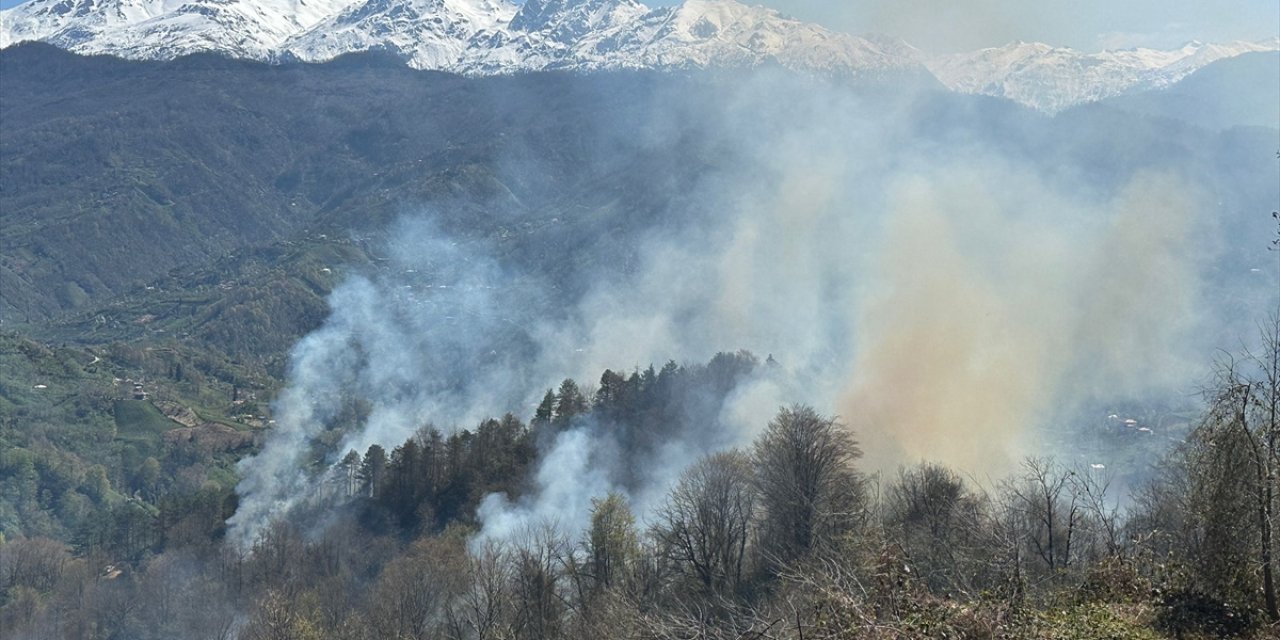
(704, 528)
(479, 611)
(411, 596)
(36, 563)
(936, 519)
(1244, 407)
(1052, 511)
(810, 494)
(538, 604)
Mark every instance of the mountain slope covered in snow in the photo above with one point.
(163, 29)
(428, 34)
(1053, 78)
(481, 37)
(467, 36)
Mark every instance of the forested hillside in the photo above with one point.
(784, 538)
(353, 351)
(116, 172)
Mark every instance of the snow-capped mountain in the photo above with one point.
(468, 36)
(549, 34)
(159, 29)
(569, 21)
(499, 36)
(1053, 78)
(701, 33)
(623, 34)
(428, 34)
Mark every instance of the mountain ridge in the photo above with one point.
(1052, 78)
(464, 36)
(488, 37)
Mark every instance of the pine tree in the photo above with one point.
(570, 404)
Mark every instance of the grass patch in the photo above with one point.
(141, 422)
(1096, 621)
(221, 419)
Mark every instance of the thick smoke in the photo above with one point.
(436, 335)
(583, 463)
(989, 316)
(571, 474)
(942, 290)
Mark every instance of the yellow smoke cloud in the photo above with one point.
(984, 317)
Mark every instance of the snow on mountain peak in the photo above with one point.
(499, 36)
(428, 34)
(1053, 78)
(468, 36)
(150, 29)
(567, 21)
(725, 33)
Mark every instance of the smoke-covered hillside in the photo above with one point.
(1252, 80)
(302, 330)
(572, 223)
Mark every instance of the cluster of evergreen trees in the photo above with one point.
(785, 538)
(433, 479)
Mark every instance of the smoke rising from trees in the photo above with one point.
(946, 287)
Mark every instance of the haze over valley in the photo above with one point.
(584, 318)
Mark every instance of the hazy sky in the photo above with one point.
(950, 25)
(953, 25)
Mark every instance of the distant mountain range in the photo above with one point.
(1054, 78)
(489, 37)
(465, 36)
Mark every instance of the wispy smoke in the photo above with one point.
(944, 286)
(437, 335)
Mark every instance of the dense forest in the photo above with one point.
(785, 538)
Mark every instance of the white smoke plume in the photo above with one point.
(945, 293)
(435, 336)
